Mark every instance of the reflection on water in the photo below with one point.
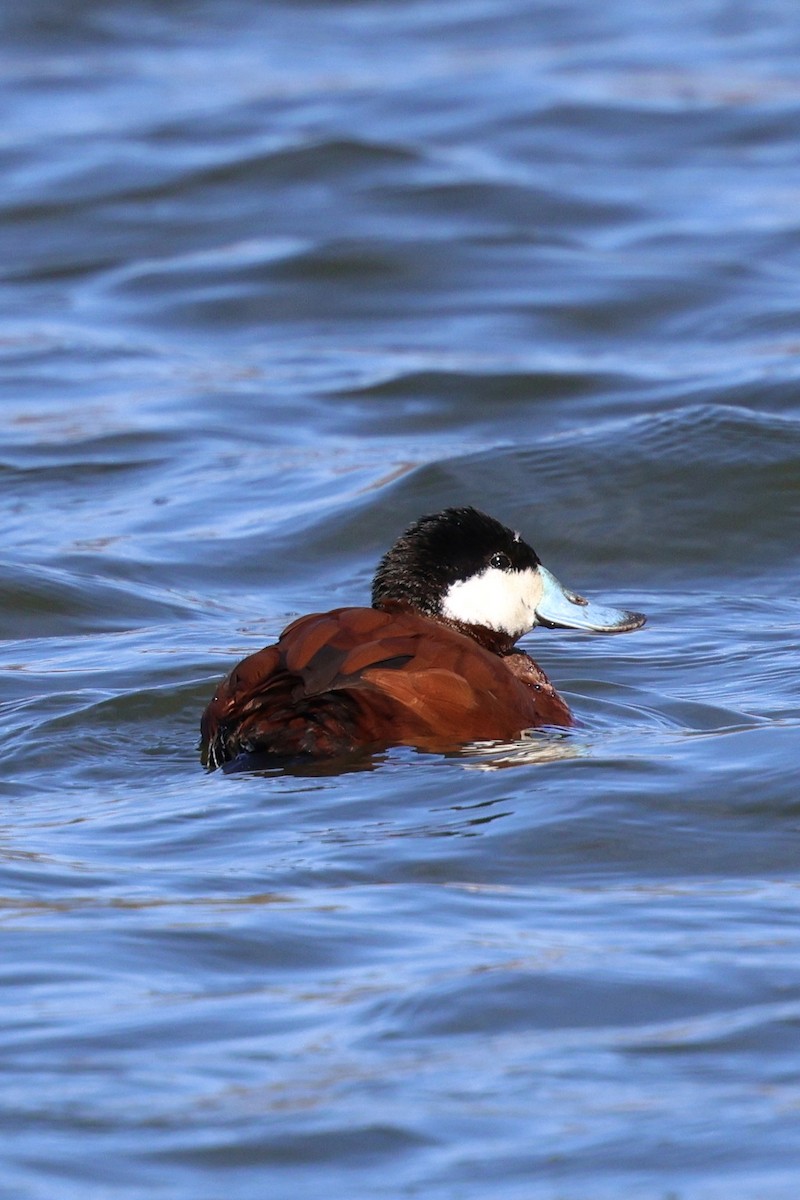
(536, 746)
(275, 282)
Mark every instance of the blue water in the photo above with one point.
(276, 280)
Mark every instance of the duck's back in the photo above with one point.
(365, 677)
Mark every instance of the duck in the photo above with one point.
(433, 664)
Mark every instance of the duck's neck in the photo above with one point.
(493, 640)
(496, 641)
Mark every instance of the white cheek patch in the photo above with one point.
(501, 600)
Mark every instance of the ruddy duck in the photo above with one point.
(432, 664)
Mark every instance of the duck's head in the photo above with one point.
(463, 567)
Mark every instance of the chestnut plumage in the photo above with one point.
(432, 664)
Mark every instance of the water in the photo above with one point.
(276, 280)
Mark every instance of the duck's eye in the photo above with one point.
(501, 561)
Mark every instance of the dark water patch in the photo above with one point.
(461, 390)
(74, 449)
(629, 493)
(48, 602)
(472, 207)
(707, 126)
(307, 161)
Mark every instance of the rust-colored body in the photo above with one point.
(374, 677)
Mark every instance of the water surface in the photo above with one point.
(276, 280)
